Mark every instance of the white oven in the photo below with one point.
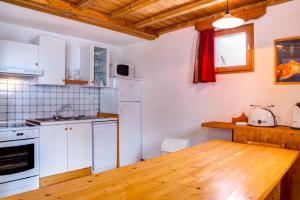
(19, 160)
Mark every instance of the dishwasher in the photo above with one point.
(104, 146)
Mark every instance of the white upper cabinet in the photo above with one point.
(18, 55)
(94, 64)
(52, 60)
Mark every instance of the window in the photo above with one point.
(234, 50)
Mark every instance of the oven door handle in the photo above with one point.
(18, 143)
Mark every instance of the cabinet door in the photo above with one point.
(101, 63)
(104, 146)
(130, 132)
(16, 54)
(52, 55)
(53, 150)
(79, 146)
(129, 90)
(95, 63)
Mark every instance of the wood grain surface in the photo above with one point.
(215, 170)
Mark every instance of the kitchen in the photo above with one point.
(65, 145)
(163, 94)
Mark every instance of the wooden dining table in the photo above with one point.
(215, 170)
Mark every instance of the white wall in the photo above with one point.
(73, 44)
(174, 107)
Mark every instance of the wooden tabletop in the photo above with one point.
(216, 170)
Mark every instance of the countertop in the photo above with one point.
(47, 123)
(232, 126)
(215, 170)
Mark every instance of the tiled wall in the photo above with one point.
(20, 100)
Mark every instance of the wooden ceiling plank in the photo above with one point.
(132, 7)
(82, 4)
(213, 17)
(67, 10)
(178, 12)
(246, 14)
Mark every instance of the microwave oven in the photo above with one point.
(122, 70)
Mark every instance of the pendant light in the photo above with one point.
(228, 21)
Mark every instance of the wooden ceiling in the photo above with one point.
(143, 18)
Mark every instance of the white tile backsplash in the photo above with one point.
(20, 100)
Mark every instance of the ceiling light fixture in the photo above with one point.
(228, 21)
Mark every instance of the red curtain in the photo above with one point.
(205, 58)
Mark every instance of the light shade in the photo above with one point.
(228, 21)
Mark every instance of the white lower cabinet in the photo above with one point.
(105, 146)
(53, 150)
(65, 148)
(79, 146)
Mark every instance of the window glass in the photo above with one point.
(231, 50)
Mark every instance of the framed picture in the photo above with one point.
(287, 61)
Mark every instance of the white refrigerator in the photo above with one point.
(129, 110)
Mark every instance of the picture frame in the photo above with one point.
(287, 61)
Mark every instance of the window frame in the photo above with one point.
(249, 67)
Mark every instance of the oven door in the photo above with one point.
(19, 159)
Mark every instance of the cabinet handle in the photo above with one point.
(70, 128)
(66, 129)
(120, 107)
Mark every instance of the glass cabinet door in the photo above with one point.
(101, 66)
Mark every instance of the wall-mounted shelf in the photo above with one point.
(78, 82)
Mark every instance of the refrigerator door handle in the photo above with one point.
(120, 93)
(120, 108)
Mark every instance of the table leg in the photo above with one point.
(275, 193)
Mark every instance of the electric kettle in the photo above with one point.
(296, 116)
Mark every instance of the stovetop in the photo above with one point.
(14, 125)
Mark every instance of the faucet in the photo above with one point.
(58, 115)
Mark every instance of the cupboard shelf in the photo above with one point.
(79, 82)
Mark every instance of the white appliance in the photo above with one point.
(122, 70)
(104, 146)
(262, 116)
(296, 116)
(129, 110)
(19, 159)
(19, 59)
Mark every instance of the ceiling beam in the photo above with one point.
(132, 7)
(241, 11)
(67, 10)
(213, 17)
(84, 3)
(178, 12)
